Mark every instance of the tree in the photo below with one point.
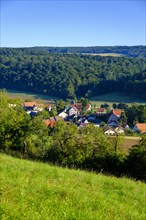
(136, 160)
(84, 102)
(123, 119)
(14, 124)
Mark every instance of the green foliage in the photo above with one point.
(71, 75)
(44, 114)
(14, 123)
(136, 160)
(136, 113)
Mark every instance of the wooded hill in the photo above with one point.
(130, 51)
(67, 74)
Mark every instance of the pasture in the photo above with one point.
(31, 191)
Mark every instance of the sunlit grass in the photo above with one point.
(33, 191)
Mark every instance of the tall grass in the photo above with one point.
(36, 191)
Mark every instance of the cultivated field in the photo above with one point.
(36, 191)
(103, 54)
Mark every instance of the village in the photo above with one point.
(112, 121)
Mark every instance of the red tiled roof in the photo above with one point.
(117, 112)
(50, 123)
(29, 104)
(141, 127)
(79, 106)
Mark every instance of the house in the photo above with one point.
(52, 121)
(100, 111)
(119, 130)
(39, 107)
(109, 131)
(63, 115)
(28, 106)
(33, 113)
(48, 107)
(114, 117)
(82, 120)
(88, 107)
(79, 106)
(92, 118)
(73, 111)
(140, 127)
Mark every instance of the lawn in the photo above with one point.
(36, 191)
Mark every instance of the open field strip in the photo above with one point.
(28, 95)
(109, 98)
(115, 97)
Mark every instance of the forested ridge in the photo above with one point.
(68, 74)
(130, 51)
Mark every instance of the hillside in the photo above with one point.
(129, 51)
(71, 75)
(31, 190)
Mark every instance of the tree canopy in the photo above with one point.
(71, 75)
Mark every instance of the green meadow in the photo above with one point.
(36, 191)
(115, 97)
(30, 95)
(108, 98)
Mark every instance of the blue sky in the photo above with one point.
(72, 23)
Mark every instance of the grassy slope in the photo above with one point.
(35, 191)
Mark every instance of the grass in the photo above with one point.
(29, 95)
(115, 97)
(34, 191)
(109, 98)
(103, 54)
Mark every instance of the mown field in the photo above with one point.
(109, 98)
(36, 191)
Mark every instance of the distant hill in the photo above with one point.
(31, 190)
(129, 51)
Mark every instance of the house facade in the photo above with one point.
(114, 117)
(140, 127)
